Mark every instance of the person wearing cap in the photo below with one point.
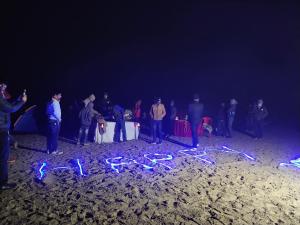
(54, 121)
(195, 111)
(157, 113)
(231, 111)
(260, 113)
(6, 108)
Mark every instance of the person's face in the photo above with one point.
(3, 87)
(58, 96)
(158, 101)
(106, 96)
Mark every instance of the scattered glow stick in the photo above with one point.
(156, 160)
(42, 173)
(80, 168)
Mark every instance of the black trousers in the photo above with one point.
(194, 129)
(52, 136)
(120, 125)
(4, 154)
(258, 128)
(230, 121)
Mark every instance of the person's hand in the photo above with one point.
(24, 98)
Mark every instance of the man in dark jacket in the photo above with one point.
(172, 112)
(86, 116)
(260, 113)
(118, 113)
(231, 111)
(106, 107)
(195, 112)
(6, 109)
(221, 120)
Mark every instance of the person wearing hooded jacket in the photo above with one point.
(86, 115)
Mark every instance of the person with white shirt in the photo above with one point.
(54, 121)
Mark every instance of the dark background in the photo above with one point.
(144, 49)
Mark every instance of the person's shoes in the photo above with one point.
(7, 186)
(86, 144)
(54, 153)
(78, 143)
(159, 143)
(153, 143)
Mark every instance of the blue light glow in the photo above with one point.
(163, 157)
(293, 163)
(42, 173)
(80, 167)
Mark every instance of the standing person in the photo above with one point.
(221, 121)
(54, 121)
(231, 111)
(137, 111)
(195, 111)
(118, 113)
(157, 113)
(106, 107)
(172, 112)
(6, 109)
(86, 116)
(260, 113)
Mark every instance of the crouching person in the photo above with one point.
(86, 115)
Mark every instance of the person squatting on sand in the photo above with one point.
(118, 113)
(54, 122)
(260, 113)
(6, 109)
(157, 113)
(195, 111)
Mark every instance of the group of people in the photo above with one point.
(107, 111)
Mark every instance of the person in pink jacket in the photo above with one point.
(157, 113)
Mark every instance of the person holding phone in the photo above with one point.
(6, 108)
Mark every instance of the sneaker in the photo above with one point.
(153, 143)
(54, 153)
(86, 144)
(7, 186)
(159, 143)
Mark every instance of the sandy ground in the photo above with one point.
(235, 190)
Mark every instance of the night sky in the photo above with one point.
(148, 49)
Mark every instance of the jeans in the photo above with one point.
(83, 133)
(4, 154)
(157, 128)
(194, 129)
(52, 136)
(120, 125)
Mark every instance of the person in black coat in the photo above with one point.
(231, 111)
(260, 113)
(6, 109)
(195, 111)
(221, 121)
(118, 113)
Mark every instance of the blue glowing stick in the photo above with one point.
(80, 167)
(200, 157)
(61, 168)
(42, 173)
(293, 163)
(115, 165)
(155, 161)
